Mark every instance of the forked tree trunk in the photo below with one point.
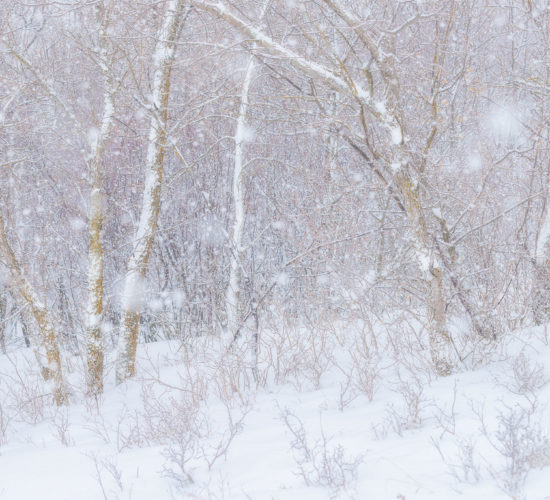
(143, 241)
(41, 316)
(440, 342)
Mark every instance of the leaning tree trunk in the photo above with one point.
(41, 316)
(143, 241)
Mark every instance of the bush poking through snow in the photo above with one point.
(523, 442)
(60, 423)
(367, 367)
(527, 376)
(463, 466)
(108, 473)
(320, 464)
(410, 415)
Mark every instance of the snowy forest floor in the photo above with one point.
(336, 413)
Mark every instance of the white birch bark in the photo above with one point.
(233, 292)
(143, 241)
(543, 238)
(3, 317)
(94, 310)
(233, 296)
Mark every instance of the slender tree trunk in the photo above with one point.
(94, 312)
(145, 236)
(40, 314)
(233, 294)
(541, 291)
(233, 297)
(3, 316)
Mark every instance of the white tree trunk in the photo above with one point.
(94, 310)
(233, 294)
(143, 241)
(3, 317)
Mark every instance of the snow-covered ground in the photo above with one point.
(334, 415)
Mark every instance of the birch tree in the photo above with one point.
(97, 140)
(233, 296)
(94, 312)
(30, 302)
(3, 318)
(163, 60)
(233, 293)
(39, 313)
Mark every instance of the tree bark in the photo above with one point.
(233, 293)
(3, 316)
(94, 311)
(439, 339)
(41, 316)
(145, 236)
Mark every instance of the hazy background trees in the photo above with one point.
(399, 168)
